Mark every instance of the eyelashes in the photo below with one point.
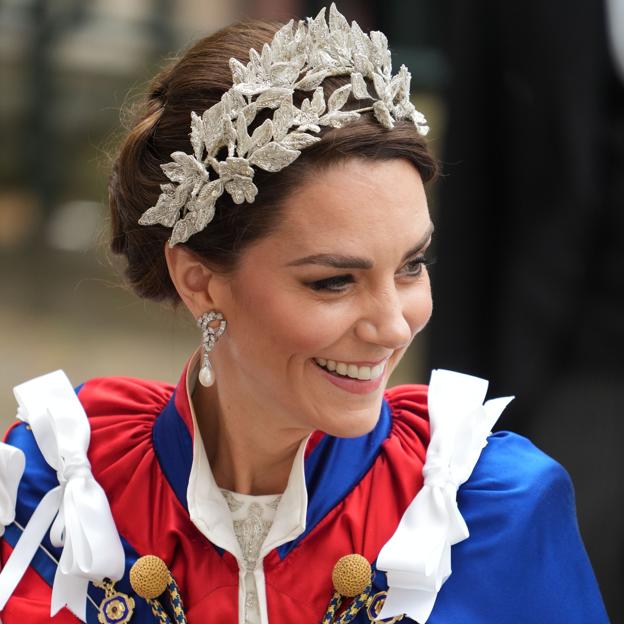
(338, 283)
(335, 283)
(417, 265)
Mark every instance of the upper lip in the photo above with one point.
(357, 363)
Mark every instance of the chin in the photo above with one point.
(353, 425)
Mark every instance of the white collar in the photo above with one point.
(208, 509)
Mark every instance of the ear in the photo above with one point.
(191, 278)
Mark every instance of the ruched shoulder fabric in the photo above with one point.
(120, 409)
(524, 560)
(31, 600)
(408, 403)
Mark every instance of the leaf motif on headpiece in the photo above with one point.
(318, 29)
(380, 51)
(183, 229)
(284, 73)
(272, 98)
(382, 115)
(249, 89)
(360, 43)
(403, 79)
(311, 80)
(185, 168)
(243, 139)
(339, 98)
(204, 215)
(363, 66)
(299, 140)
(197, 135)
(249, 112)
(261, 135)
(360, 91)
(282, 40)
(210, 192)
(165, 211)
(212, 119)
(283, 119)
(380, 86)
(300, 57)
(338, 119)
(239, 71)
(337, 22)
(273, 157)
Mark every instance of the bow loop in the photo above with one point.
(417, 558)
(57, 530)
(76, 467)
(439, 473)
(77, 509)
(12, 462)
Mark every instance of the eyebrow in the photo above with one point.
(337, 261)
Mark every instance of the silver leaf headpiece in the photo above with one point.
(300, 56)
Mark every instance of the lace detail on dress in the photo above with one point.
(233, 504)
(252, 517)
(251, 533)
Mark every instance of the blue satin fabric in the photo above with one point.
(524, 562)
(38, 479)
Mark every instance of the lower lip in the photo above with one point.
(355, 386)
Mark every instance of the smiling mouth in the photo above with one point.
(352, 371)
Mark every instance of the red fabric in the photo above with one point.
(122, 412)
(30, 603)
(362, 523)
(8, 431)
(145, 508)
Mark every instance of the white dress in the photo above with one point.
(252, 517)
(248, 527)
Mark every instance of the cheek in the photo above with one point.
(419, 307)
(280, 321)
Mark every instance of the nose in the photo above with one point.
(384, 320)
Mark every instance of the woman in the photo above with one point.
(294, 227)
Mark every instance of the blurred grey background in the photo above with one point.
(68, 70)
(526, 108)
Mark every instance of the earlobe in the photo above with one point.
(191, 278)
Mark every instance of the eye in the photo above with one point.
(336, 283)
(414, 267)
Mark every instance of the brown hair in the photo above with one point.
(194, 82)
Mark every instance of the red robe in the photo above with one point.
(358, 490)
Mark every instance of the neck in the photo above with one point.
(248, 451)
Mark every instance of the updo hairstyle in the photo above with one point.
(161, 125)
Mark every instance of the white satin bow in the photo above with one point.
(12, 462)
(77, 509)
(417, 558)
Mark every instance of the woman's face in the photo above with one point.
(341, 284)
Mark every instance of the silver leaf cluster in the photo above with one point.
(300, 56)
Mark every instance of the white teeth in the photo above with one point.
(364, 373)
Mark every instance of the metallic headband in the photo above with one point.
(312, 48)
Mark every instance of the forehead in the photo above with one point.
(356, 203)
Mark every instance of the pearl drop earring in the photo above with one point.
(210, 335)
